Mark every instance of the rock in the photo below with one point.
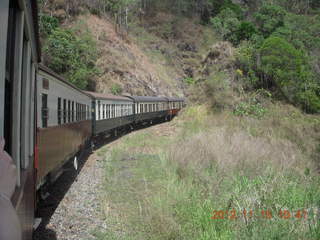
(188, 47)
(60, 14)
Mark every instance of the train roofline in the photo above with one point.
(148, 99)
(60, 78)
(96, 95)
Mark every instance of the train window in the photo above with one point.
(107, 111)
(99, 110)
(44, 110)
(59, 111)
(64, 110)
(69, 110)
(77, 109)
(72, 111)
(82, 111)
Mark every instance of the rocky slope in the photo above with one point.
(154, 57)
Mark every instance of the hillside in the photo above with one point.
(155, 57)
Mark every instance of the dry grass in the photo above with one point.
(167, 186)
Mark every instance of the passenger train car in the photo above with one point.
(110, 112)
(64, 123)
(45, 120)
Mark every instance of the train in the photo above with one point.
(45, 120)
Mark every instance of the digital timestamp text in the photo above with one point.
(302, 214)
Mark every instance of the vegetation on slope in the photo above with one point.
(161, 185)
(276, 50)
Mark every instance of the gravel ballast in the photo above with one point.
(73, 211)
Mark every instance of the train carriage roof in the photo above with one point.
(148, 99)
(108, 96)
(60, 78)
(175, 99)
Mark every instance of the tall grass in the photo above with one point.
(162, 187)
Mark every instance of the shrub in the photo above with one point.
(231, 28)
(71, 55)
(47, 24)
(245, 31)
(288, 69)
(116, 89)
(189, 80)
(269, 18)
(220, 5)
(251, 108)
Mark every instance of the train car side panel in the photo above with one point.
(64, 122)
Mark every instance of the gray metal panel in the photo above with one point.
(4, 13)
(16, 99)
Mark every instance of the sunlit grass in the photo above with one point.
(169, 187)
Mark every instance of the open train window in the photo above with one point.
(83, 112)
(69, 110)
(72, 111)
(64, 110)
(59, 111)
(44, 110)
(10, 57)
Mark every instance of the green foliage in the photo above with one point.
(250, 108)
(189, 80)
(231, 28)
(220, 5)
(269, 18)
(116, 89)
(288, 69)
(245, 31)
(47, 24)
(72, 55)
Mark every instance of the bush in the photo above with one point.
(71, 55)
(189, 80)
(269, 18)
(47, 24)
(228, 25)
(220, 5)
(116, 89)
(245, 31)
(251, 108)
(288, 69)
